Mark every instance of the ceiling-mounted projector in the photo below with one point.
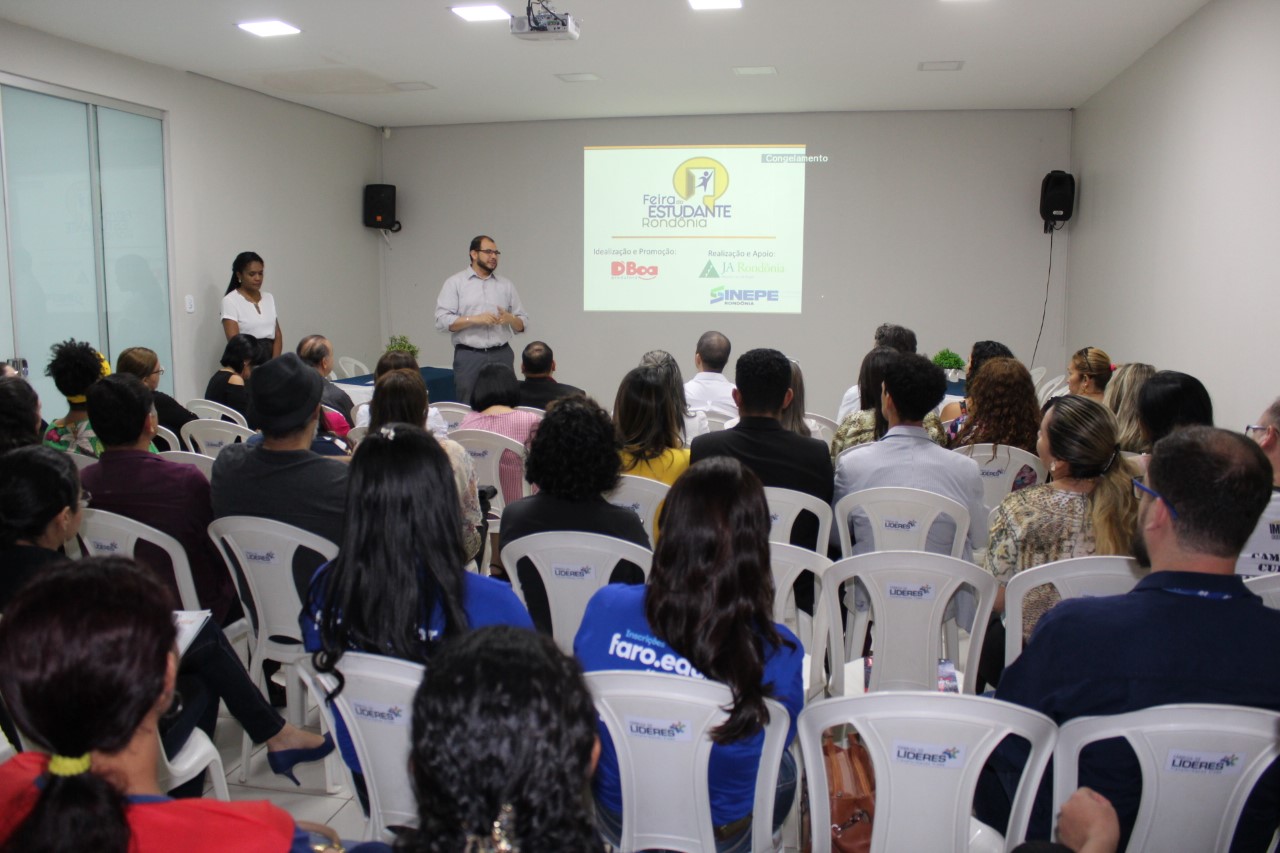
(546, 24)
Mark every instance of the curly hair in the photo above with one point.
(1004, 407)
(574, 452)
(503, 719)
(73, 367)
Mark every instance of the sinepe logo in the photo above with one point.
(631, 269)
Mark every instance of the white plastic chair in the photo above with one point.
(909, 592)
(1000, 464)
(197, 754)
(1037, 373)
(572, 566)
(541, 413)
(717, 420)
(170, 438)
(665, 800)
(82, 460)
(215, 411)
(199, 460)
(356, 434)
(352, 367)
(785, 505)
(106, 534)
(453, 413)
(376, 703)
(927, 750)
(826, 427)
(1266, 586)
(643, 497)
(1050, 387)
(1198, 762)
(900, 518)
(210, 437)
(788, 562)
(1074, 578)
(264, 550)
(486, 450)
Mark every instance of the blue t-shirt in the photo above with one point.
(485, 601)
(616, 635)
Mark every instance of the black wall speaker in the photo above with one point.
(1057, 198)
(380, 206)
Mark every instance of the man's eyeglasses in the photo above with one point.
(1250, 429)
(493, 252)
(1139, 488)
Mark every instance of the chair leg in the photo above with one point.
(295, 696)
(220, 791)
(246, 744)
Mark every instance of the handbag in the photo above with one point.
(851, 790)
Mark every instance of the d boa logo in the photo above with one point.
(630, 269)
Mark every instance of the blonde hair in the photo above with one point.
(1095, 363)
(1121, 397)
(139, 361)
(1082, 433)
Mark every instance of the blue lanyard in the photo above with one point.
(1201, 593)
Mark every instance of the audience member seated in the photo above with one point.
(1002, 410)
(1171, 400)
(229, 385)
(145, 364)
(89, 669)
(483, 780)
(400, 396)
(19, 414)
(793, 416)
(649, 427)
(867, 425)
(953, 413)
(1087, 508)
(1088, 373)
(573, 460)
(1121, 397)
(694, 422)
(708, 604)
(539, 386)
(39, 510)
(1261, 554)
(281, 478)
(898, 338)
(317, 351)
(493, 402)
(907, 457)
(396, 588)
(709, 389)
(75, 366)
(1189, 632)
(397, 359)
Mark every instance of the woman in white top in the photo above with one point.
(247, 310)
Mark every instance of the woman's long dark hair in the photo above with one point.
(870, 380)
(83, 653)
(645, 416)
(36, 483)
(401, 553)
(399, 396)
(237, 266)
(19, 413)
(503, 717)
(710, 594)
(669, 369)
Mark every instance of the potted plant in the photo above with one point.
(402, 344)
(951, 363)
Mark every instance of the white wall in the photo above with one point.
(246, 172)
(1173, 248)
(926, 219)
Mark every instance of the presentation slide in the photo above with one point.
(715, 228)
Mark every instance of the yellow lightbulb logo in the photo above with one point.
(701, 175)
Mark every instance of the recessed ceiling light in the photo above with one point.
(579, 77)
(754, 70)
(413, 86)
(945, 65)
(481, 13)
(703, 5)
(268, 28)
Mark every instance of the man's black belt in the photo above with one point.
(478, 349)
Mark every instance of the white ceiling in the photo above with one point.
(654, 57)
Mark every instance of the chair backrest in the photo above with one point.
(1050, 387)
(826, 427)
(356, 434)
(788, 563)
(541, 413)
(453, 413)
(785, 505)
(572, 566)
(1267, 586)
(1078, 577)
(82, 460)
(660, 727)
(486, 450)
(352, 367)
(927, 750)
(199, 460)
(376, 703)
(1000, 465)
(1037, 373)
(210, 437)
(264, 550)
(643, 497)
(900, 518)
(716, 420)
(1199, 763)
(105, 534)
(169, 437)
(215, 411)
(909, 592)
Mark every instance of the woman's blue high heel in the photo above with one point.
(283, 761)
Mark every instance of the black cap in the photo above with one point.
(283, 394)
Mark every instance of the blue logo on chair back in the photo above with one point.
(104, 546)
(1205, 763)
(911, 592)
(260, 556)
